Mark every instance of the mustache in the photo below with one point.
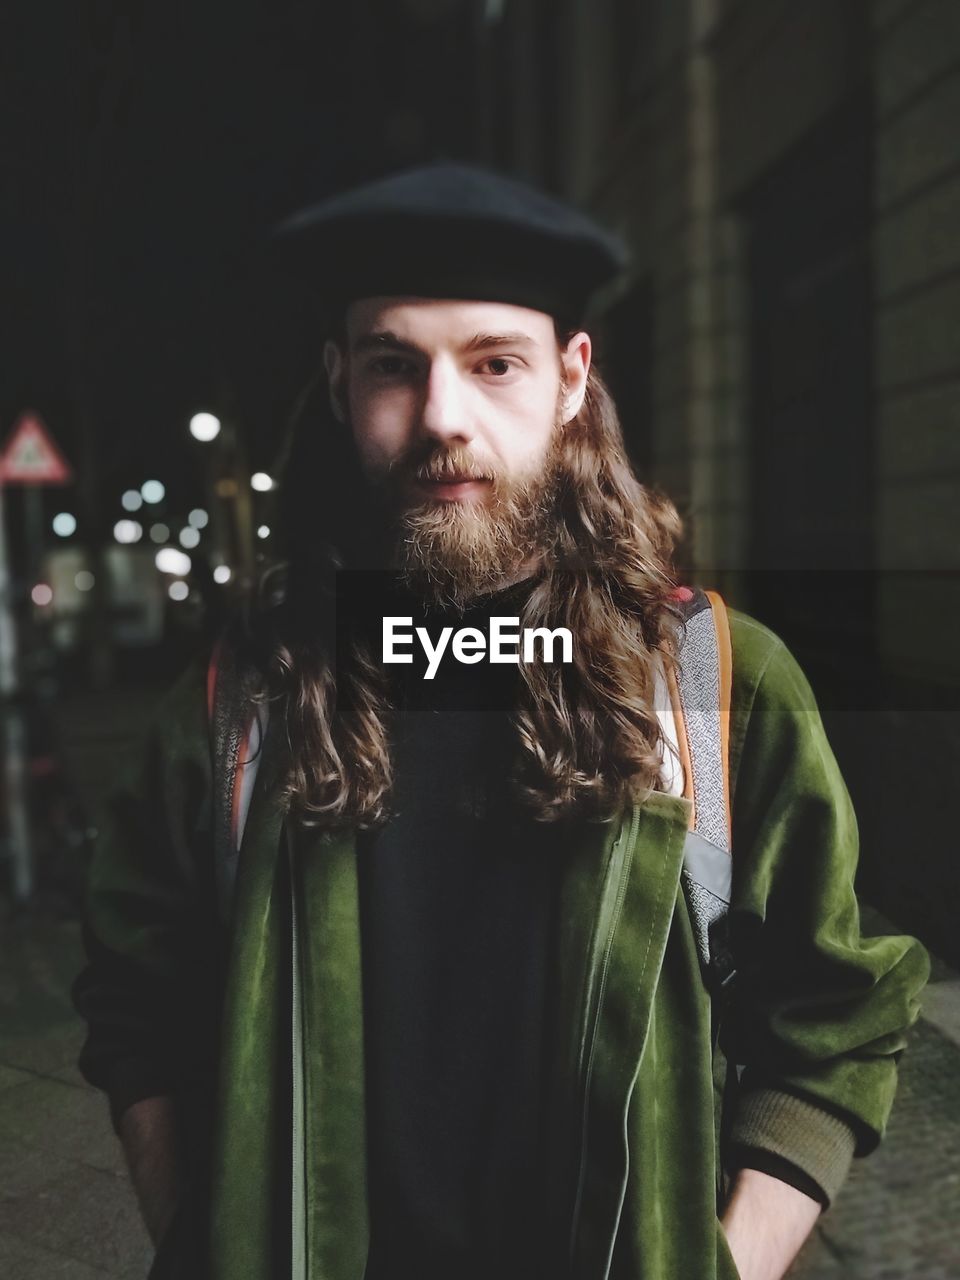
(450, 465)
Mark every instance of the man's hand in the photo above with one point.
(149, 1136)
(766, 1221)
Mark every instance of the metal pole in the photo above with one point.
(33, 529)
(13, 737)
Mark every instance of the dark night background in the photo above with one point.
(147, 151)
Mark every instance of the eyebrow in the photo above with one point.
(385, 339)
(483, 341)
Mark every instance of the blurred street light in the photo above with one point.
(263, 531)
(159, 533)
(261, 482)
(128, 531)
(84, 581)
(198, 518)
(42, 594)
(131, 500)
(178, 591)
(189, 537)
(170, 560)
(204, 427)
(64, 524)
(153, 491)
(222, 574)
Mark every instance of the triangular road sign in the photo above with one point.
(31, 457)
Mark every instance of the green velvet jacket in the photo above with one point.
(816, 1017)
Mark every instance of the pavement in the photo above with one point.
(67, 1208)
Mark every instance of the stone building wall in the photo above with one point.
(788, 177)
(667, 118)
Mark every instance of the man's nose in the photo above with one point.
(445, 412)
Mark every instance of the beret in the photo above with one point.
(447, 230)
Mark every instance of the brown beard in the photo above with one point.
(449, 553)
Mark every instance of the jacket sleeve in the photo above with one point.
(149, 930)
(819, 1014)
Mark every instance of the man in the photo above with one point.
(456, 1021)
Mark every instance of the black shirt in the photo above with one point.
(457, 901)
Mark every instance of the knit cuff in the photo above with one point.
(814, 1140)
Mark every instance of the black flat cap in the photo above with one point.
(452, 231)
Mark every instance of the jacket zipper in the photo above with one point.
(298, 1266)
(590, 1045)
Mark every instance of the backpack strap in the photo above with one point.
(700, 685)
(236, 737)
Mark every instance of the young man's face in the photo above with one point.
(423, 378)
(455, 409)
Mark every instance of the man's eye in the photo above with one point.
(391, 366)
(498, 366)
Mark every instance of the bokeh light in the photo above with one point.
(204, 427)
(128, 531)
(170, 560)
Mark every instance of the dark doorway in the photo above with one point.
(811, 489)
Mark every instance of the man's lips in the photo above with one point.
(451, 486)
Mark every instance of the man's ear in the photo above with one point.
(575, 359)
(334, 364)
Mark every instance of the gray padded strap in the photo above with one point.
(698, 681)
(707, 865)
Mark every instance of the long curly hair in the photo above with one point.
(587, 736)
